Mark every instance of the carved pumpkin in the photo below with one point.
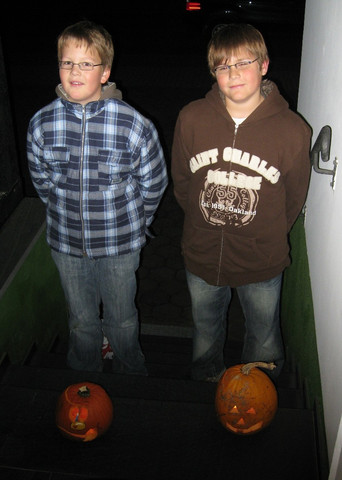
(84, 412)
(246, 399)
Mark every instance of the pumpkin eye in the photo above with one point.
(73, 413)
(251, 411)
(83, 414)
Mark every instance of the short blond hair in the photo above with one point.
(94, 36)
(229, 39)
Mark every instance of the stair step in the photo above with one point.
(161, 430)
(169, 358)
(4, 364)
(123, 386)
(24, 474)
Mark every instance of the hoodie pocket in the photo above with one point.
(201, 245)
(233, 254)
(244, 254)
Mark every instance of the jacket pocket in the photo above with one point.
(57, 161)
(114, 170)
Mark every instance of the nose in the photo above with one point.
(75, 69)
(233, 72)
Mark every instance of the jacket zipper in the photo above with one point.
(81, 179)
(222, 236)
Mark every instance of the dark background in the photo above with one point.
(160, 59)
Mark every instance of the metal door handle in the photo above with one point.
(322, 146)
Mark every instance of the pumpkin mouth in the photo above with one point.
(78, 426)
(90, 435)
(253, 428)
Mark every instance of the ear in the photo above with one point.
(264, 67)
(105, 75)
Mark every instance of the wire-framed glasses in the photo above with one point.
(86, 66)
(220, 69)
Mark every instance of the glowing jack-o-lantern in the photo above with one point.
(84, 412)
(246, 399)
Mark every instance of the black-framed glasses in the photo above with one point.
(86, 66)
(239, 66)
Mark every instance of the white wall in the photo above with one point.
(320, 102)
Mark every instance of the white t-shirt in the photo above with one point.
(238, 121)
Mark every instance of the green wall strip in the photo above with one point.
(298, 320)
(298, 323)
(32, 307)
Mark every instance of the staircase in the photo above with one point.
(164, 426)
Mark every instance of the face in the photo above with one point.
(241, 87)
(82, 86)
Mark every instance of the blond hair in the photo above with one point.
(227, 40)
(94, 36)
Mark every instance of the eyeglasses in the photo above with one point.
(220, 69)
(86, 66)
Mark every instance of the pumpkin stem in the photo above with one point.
(84, 391)
(246, 369)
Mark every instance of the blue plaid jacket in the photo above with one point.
(101, 172)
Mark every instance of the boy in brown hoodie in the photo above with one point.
(240, 167)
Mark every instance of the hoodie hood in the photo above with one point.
(108, 91)
(273, 103)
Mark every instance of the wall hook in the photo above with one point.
(322, 146)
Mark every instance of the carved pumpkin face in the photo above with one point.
(84, 412)
(245, 402)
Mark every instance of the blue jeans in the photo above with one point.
(260, 305)
(86, 283)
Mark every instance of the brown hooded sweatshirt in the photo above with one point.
(241, 186)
